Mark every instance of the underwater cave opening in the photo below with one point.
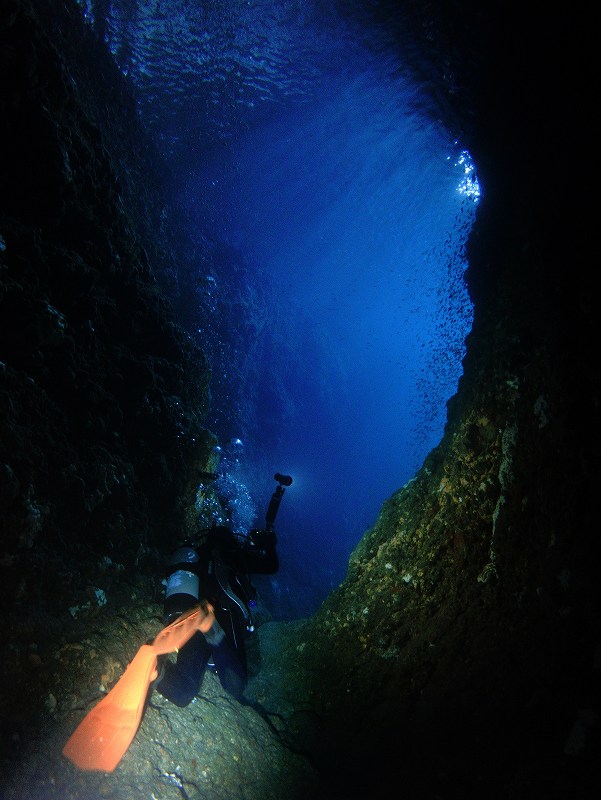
(331, 209)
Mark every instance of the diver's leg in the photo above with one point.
(229, 655)
(180, 682)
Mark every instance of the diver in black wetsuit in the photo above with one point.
(217, 569)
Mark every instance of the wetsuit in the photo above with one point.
(222, 562)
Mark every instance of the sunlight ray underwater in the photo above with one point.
(300, 141)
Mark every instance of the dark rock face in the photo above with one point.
(460, 658)
(102, 395)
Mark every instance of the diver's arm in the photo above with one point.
(260, 553)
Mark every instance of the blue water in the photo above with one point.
(332, 209)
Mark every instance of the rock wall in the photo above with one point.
(102, 395)
(460, 657)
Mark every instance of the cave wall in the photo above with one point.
(102, 394)
(461, 655)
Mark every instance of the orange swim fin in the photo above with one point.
(103, 736)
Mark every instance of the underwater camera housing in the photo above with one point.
(276, 499)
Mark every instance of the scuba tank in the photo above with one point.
(182, 591)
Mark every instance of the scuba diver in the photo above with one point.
(216, 569)
(207, 612)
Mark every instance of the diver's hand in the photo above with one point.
(263, 539)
